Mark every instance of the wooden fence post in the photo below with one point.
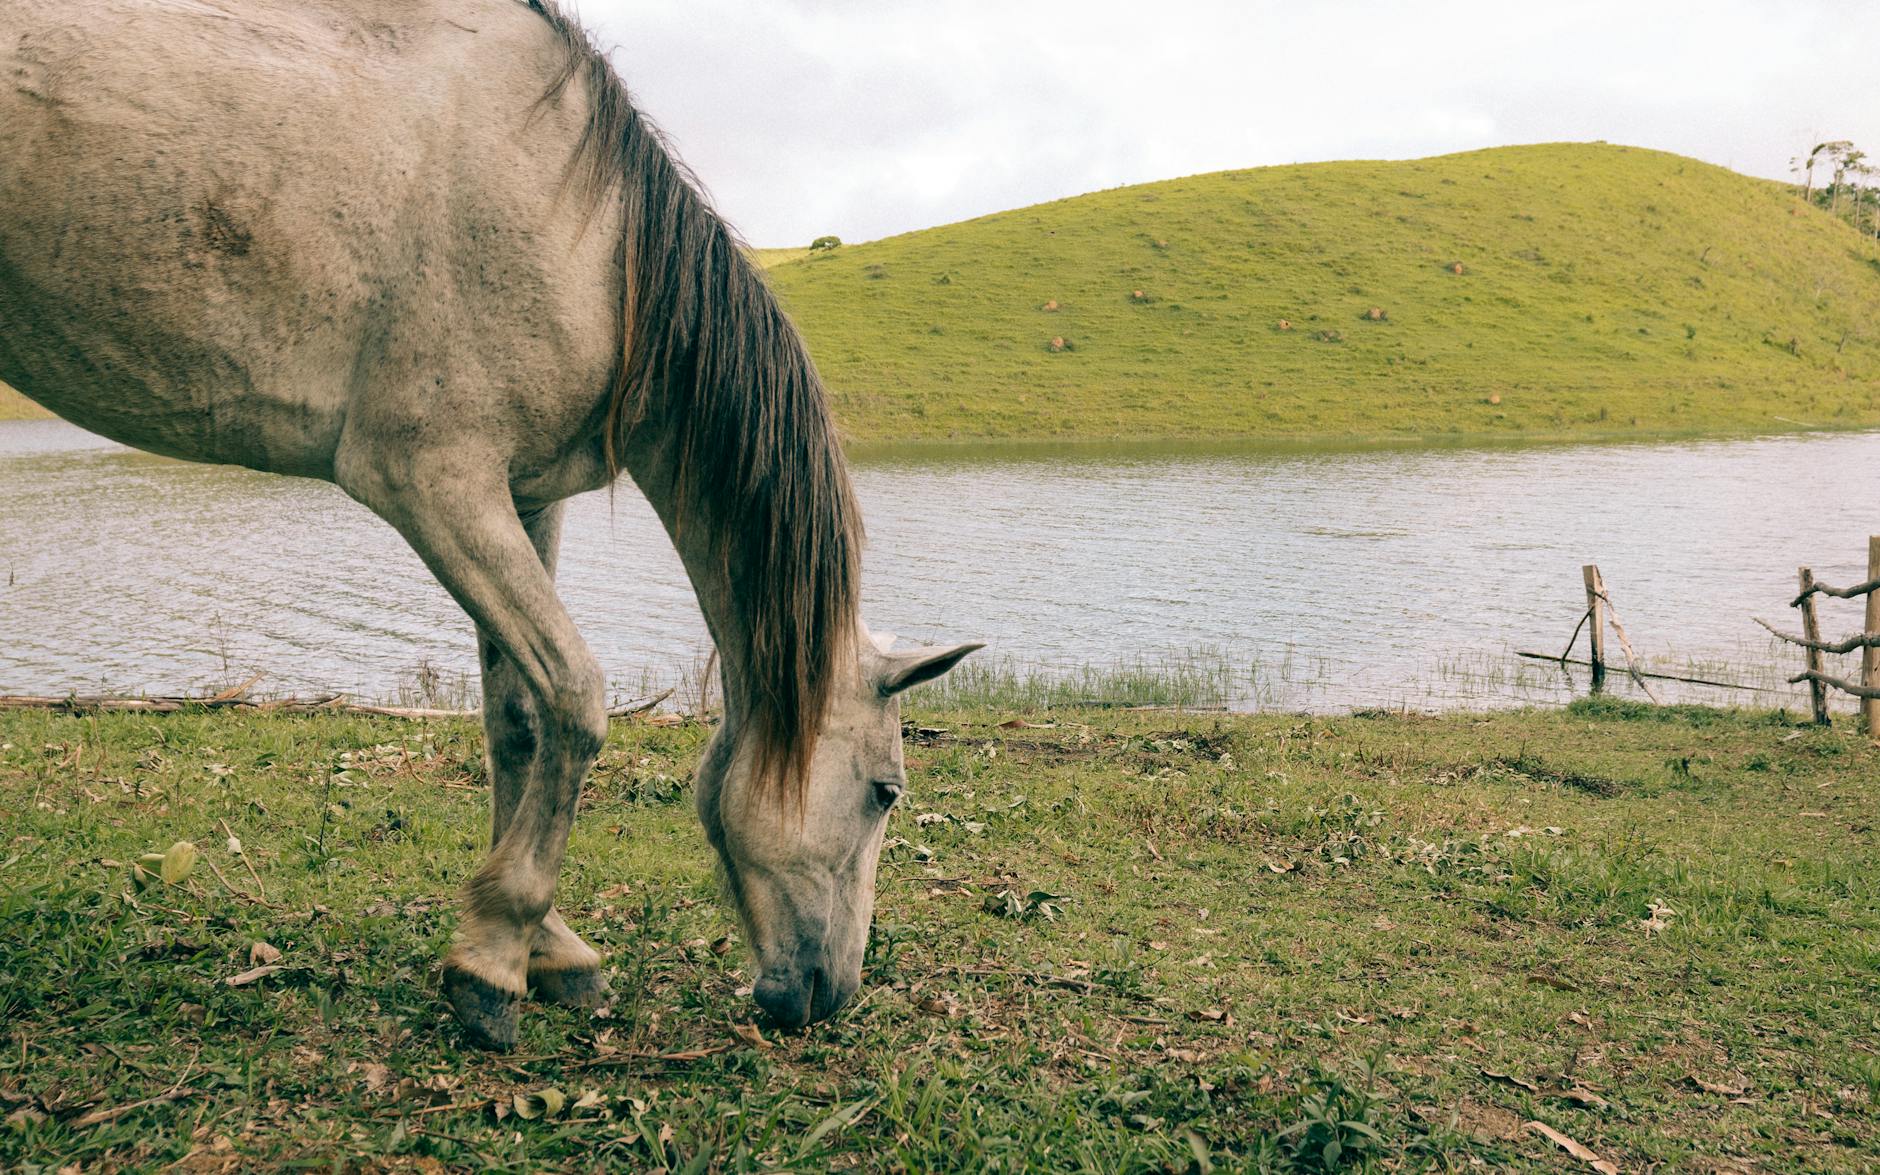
(1817, 692)
(1596, 621)
(1870, 656)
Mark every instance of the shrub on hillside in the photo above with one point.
(823, 244)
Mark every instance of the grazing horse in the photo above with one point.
(429, 251)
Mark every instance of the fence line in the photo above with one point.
(1867, 689)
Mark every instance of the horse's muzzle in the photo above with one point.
(799, 995)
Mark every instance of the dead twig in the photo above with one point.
(251, 865)
(244, 895)
(1859, 589)
(1842, 684)
(1862, 641)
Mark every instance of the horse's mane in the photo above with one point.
(707, 353)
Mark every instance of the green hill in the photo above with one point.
(1602, 290)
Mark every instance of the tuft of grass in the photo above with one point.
(1603, 291)
(1273, 942)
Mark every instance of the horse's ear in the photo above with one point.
(902, 671)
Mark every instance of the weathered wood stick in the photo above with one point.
(1811, 631)
(1584, 617)
(1861, 641)
(1845, 686)
(1859, 589)
(1870, 656)
(1631, 658)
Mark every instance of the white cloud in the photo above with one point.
(870, 118)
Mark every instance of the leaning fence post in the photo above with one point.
(1817, 692)
(1869, 655)
(1596, 621)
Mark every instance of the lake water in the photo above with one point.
(1331, 580)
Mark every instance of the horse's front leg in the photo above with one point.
(563, 969)
(462, 523)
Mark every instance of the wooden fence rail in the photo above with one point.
(1867, 641)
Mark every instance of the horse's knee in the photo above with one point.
(509, 729)
(578, 702)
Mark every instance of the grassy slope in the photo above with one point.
(1253, 908)
(1605, 290)
(14, 406)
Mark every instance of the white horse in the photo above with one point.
(428, 251)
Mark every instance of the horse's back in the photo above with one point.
(221, 224)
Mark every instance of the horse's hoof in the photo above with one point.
(488, 1013)
(571, 988)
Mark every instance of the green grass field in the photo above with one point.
(1105, 942)
(1604, 291)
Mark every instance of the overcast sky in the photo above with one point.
(866, 118)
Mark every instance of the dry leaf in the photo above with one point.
(546, 1102)
(1573, 1148)
(1511, 1079)
(749, 1034)
(1718, 1087)
(177, 862)
(1585, 1097)
(249, 976)
(938, 1005)
(1288, 867)
(260, 953)
(1553, 981)
(374, 1075)
(1659, 919)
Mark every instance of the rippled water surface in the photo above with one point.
(1374, 578)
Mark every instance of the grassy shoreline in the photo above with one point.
(1656, 931)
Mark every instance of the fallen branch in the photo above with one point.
(230, 833)
(641, 707)
(1862, 641)
(1858, 590)
(244, 895)
(1845, 686)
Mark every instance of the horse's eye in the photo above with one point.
(886, 792)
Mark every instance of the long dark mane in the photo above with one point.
(707, 352)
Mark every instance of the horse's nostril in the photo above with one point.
(783, 1000)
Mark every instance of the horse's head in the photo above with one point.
(803, 878)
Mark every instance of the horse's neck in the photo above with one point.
(651, 458)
